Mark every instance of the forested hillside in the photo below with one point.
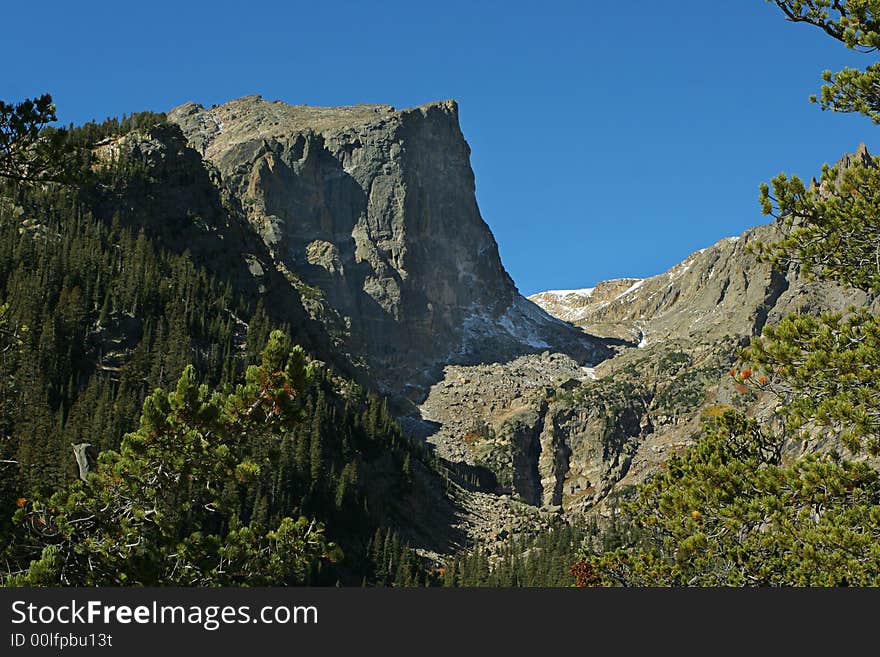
(97, 320)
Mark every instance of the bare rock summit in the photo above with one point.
(370, 213)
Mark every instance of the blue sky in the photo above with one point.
(609, 139)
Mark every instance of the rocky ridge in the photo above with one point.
(718, 292)
(370, 213)
(684, 328)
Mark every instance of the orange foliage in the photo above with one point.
(471, 437)
(585, 575)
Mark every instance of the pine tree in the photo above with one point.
(316, 445)
(30, 151)
(855, 23)
(152, 512)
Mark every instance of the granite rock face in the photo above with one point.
(371, 212)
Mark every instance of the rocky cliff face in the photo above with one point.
(179, 199)
(682, 330)
(370, 213)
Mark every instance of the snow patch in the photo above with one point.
(524, 331)
(591, 372)
(632, 288)
(523, 321)
(583, 292)
(643, 338)
(522, 334)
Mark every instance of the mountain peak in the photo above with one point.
(252, 115)
(861, 156)
(372, 209)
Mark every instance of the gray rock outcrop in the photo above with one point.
(371, 212)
